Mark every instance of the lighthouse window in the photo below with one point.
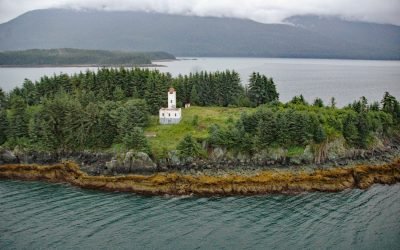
(162, 114)
(169, 114)
(175, 114)
(171, 101)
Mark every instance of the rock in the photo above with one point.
(242, 158)
(307, 156)
(136, 161)
(336, 149)
(295, 160)
(7, 157)
(217, 154)
(143, 157)
(174, 158)
(111, 165)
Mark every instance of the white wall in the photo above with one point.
(172, 100)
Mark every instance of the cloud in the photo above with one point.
(266, 11)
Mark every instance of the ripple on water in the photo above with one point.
(43, 215)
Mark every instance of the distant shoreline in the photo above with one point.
(68, 57)
(83, 65)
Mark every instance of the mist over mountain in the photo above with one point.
(302, 36)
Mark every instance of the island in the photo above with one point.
(107, 130)
(67, 57)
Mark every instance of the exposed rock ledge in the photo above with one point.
(327, 180)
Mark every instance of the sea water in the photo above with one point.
(39, 215)
(346, 80)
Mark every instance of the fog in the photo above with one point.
(266, 11)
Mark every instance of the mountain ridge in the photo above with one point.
(305, 36)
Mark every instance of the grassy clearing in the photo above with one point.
(167, 137)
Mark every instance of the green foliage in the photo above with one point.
(267, 129)
(319, 135)
(133, 114)
(195, 121)
(360, 105)
(78, 56)
(135, 139)
(112, 106)
(299, 100)
(189, 148)
(118, 94)
(333, 102)
(261, 89)
(391, 106)
(350, 131)
(157, 86)
(363, 130)
(18, 118)
(98, 126)
(209, 89)
(56, 125)
(318, 102)
(3, 126)
(297, 125)
(2, 99)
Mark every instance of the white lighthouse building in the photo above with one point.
(170, 115)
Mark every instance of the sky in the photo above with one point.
(265, 11)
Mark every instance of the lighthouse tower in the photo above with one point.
(171, 98)
(170, 115)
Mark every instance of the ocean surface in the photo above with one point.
(37, 215)
(346, 80)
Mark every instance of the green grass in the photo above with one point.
(167, 137)
(295, 151)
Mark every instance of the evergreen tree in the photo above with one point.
(272, 94)
(391, 105)
(194, 97)
(118, 94)
(136, 140)
(155, 93)
(350, 131)
(29, 92)
(133, 114)
(333, 102)
(299, 100)
(2, 99)
(363, 130)
(189, 148)
(374, 106)
(318, 102)
(319, 134)
(262, 90)
(282, 124)
(255, 90)
(267, 130)
(250, 121)
(55, 121)
(3, 126)
(18, 122)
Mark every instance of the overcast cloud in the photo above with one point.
(267, 11)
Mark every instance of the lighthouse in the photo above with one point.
(171, 98)
(171, 114)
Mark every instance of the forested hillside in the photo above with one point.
(301, 36)
(113, 107)
(65, 57)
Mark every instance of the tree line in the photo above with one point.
(68, 56)
(96, 110)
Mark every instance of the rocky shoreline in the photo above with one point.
(218, 162)
(173, 183)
